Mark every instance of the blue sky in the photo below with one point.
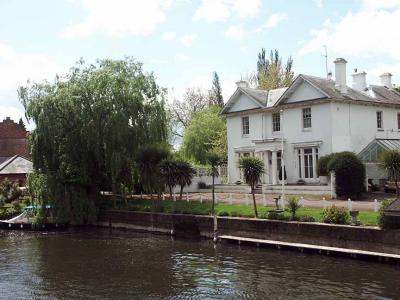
(184, 41)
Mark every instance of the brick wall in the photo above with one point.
(13, 138)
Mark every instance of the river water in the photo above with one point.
(94, 264)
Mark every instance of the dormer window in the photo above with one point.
(379, 120)
(245, 125)
(276, 122)
(307, 118)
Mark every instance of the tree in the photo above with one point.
(271, 74)
(204, 134)
(181, 111)
(169, 173)
(21, 123)
(149, 161)
(252, 168)
(216, 91)
(390, 162)
(90, 124)
(214, 160)
(349, 172)
(185, 173)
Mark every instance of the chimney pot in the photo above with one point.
(386, 80)
(359, 81)
(340, 75)
(242, 84)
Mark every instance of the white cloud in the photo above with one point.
(274, 19)
(372, 30)
(169, 36)
(182, 57)
(222, 10)
(187, 40)
(15, 69)
(119, 18)
(319, 3)
(235, 32)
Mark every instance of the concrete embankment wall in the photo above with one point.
(351, 237)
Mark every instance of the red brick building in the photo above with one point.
(14, 155)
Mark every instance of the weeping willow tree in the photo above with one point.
(90, 124)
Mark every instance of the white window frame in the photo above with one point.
(275, 118)
(379, 120)
(245, 127)
(306, 113)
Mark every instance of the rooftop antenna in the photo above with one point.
(326, 61)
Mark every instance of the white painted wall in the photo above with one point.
(305, 92)
(243, 102)
(340, 127)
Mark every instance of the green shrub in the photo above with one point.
(233, 214)
(322, 164)
(201, 185)
(306, 219)
(223, 214)
(293, 205)
(277, 216)
(350, 174)
(335, 215)
(2, 200)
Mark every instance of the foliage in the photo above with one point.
(149, 159)
(293, 206)
(349, 173)
(335, 215)
(252, 168)
(204, 134)
(390, 162)
(201, 185)
(185, 174)
(168, 171)
(277, 216)
(271, 74)
(322, 164)
(216, 91)
(90, 124)
(9, 190)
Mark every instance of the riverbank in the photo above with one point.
(328, 235)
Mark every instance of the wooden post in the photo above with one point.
(187, 197)
(264, 200)
(201, 198)
(349, 204)
(376, 206)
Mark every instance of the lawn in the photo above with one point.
(235, 210)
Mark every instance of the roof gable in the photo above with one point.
(242, 100)
(300, 90)
(16, 165)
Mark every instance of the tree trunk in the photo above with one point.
(181, 192)
(397, 189)
(254, 202)
(213, 196)
(170, 192)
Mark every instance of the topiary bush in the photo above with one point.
(335, 215)
(293, 206)
(322, 165)
(350, 174)
(384, 222)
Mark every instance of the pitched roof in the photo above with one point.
(16, 165)
(374, 149)
(393, 207)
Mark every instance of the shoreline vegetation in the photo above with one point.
(303, 214)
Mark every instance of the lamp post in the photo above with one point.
(282, 162)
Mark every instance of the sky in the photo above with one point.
(183, 42)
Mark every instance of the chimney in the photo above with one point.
(386, 80)
(242, 84)
(359, 81)
(340, 75)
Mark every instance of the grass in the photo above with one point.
(368, 218)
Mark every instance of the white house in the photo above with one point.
(312, 117)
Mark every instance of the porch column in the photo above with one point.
(266, 167)
(274, 167)
(314, 163)
(302, 163)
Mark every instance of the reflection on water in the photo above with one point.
(93, 264)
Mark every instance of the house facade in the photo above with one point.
(310, 118)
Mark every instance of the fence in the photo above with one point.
(267, 200)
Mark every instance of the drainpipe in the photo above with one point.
(282, 162)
